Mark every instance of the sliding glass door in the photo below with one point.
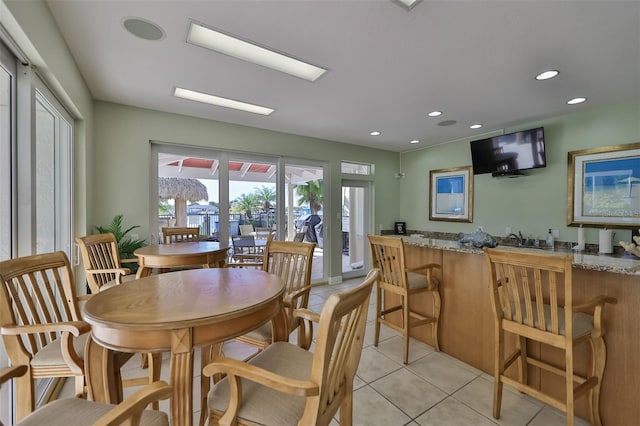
(222, 191)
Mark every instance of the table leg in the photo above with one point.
(182, 377)
(102, 371)
(143, 271)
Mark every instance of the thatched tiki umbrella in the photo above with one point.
(181, 190)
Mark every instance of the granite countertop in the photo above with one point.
(602, 263)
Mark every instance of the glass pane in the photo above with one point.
(53, 181)
(353, 228)
(304, 203)
(252, 197)
(45, 179)
(5, 164)
(355, 168)
(188, 193)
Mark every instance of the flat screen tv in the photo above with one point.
(509, 154)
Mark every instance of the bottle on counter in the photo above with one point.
(550, 239)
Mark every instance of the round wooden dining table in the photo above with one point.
(200, 253)
(177, 312)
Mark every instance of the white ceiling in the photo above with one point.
(388, 67)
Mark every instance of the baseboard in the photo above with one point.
(335, 280)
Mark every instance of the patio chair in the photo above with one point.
(246, 230)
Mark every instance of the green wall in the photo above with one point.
(122, 162)
(532, 203)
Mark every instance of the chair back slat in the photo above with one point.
(36, 290)
(180, 234)
(532, 287)
(387, 255)
(338, 349)
(292, 262)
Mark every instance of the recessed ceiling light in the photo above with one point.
(447, 123)
(192, 95)
(375, 133)
(475, 126)
(232, 46)
(575, 101)
(547, 75)
(435, 113)
(143, 29)
(415, 141)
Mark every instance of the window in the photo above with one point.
(6, 128)
(53, 185)
(36, 169)
(7, 121)
(355, 168)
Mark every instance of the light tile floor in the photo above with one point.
(433, 389)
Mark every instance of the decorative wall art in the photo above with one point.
(451, 194)
(604, 186)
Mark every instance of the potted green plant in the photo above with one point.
(126, 244)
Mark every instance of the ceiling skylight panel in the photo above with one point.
(193, 95)
(240, 49)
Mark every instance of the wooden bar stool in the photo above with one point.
(531, 297)
(387, 254)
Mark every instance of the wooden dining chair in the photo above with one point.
(287, 385)
(292, 262)
(532, 299)
(397, 287)
(41, 323)
(101, 261)
(175, 234)
(77, 411)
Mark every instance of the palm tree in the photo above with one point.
(310, 194)
(245, 203)
(265, 196)
(164, 208)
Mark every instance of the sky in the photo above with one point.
(236, 188)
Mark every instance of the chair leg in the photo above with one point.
(521, 345)
(155, 366)
(208, 354)
(376, 335)
(406, 329)
(346, 410)
(436, 314)
(498, 371)
(79, 386)
(25, 400)
(598, 361)
(569, 398)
